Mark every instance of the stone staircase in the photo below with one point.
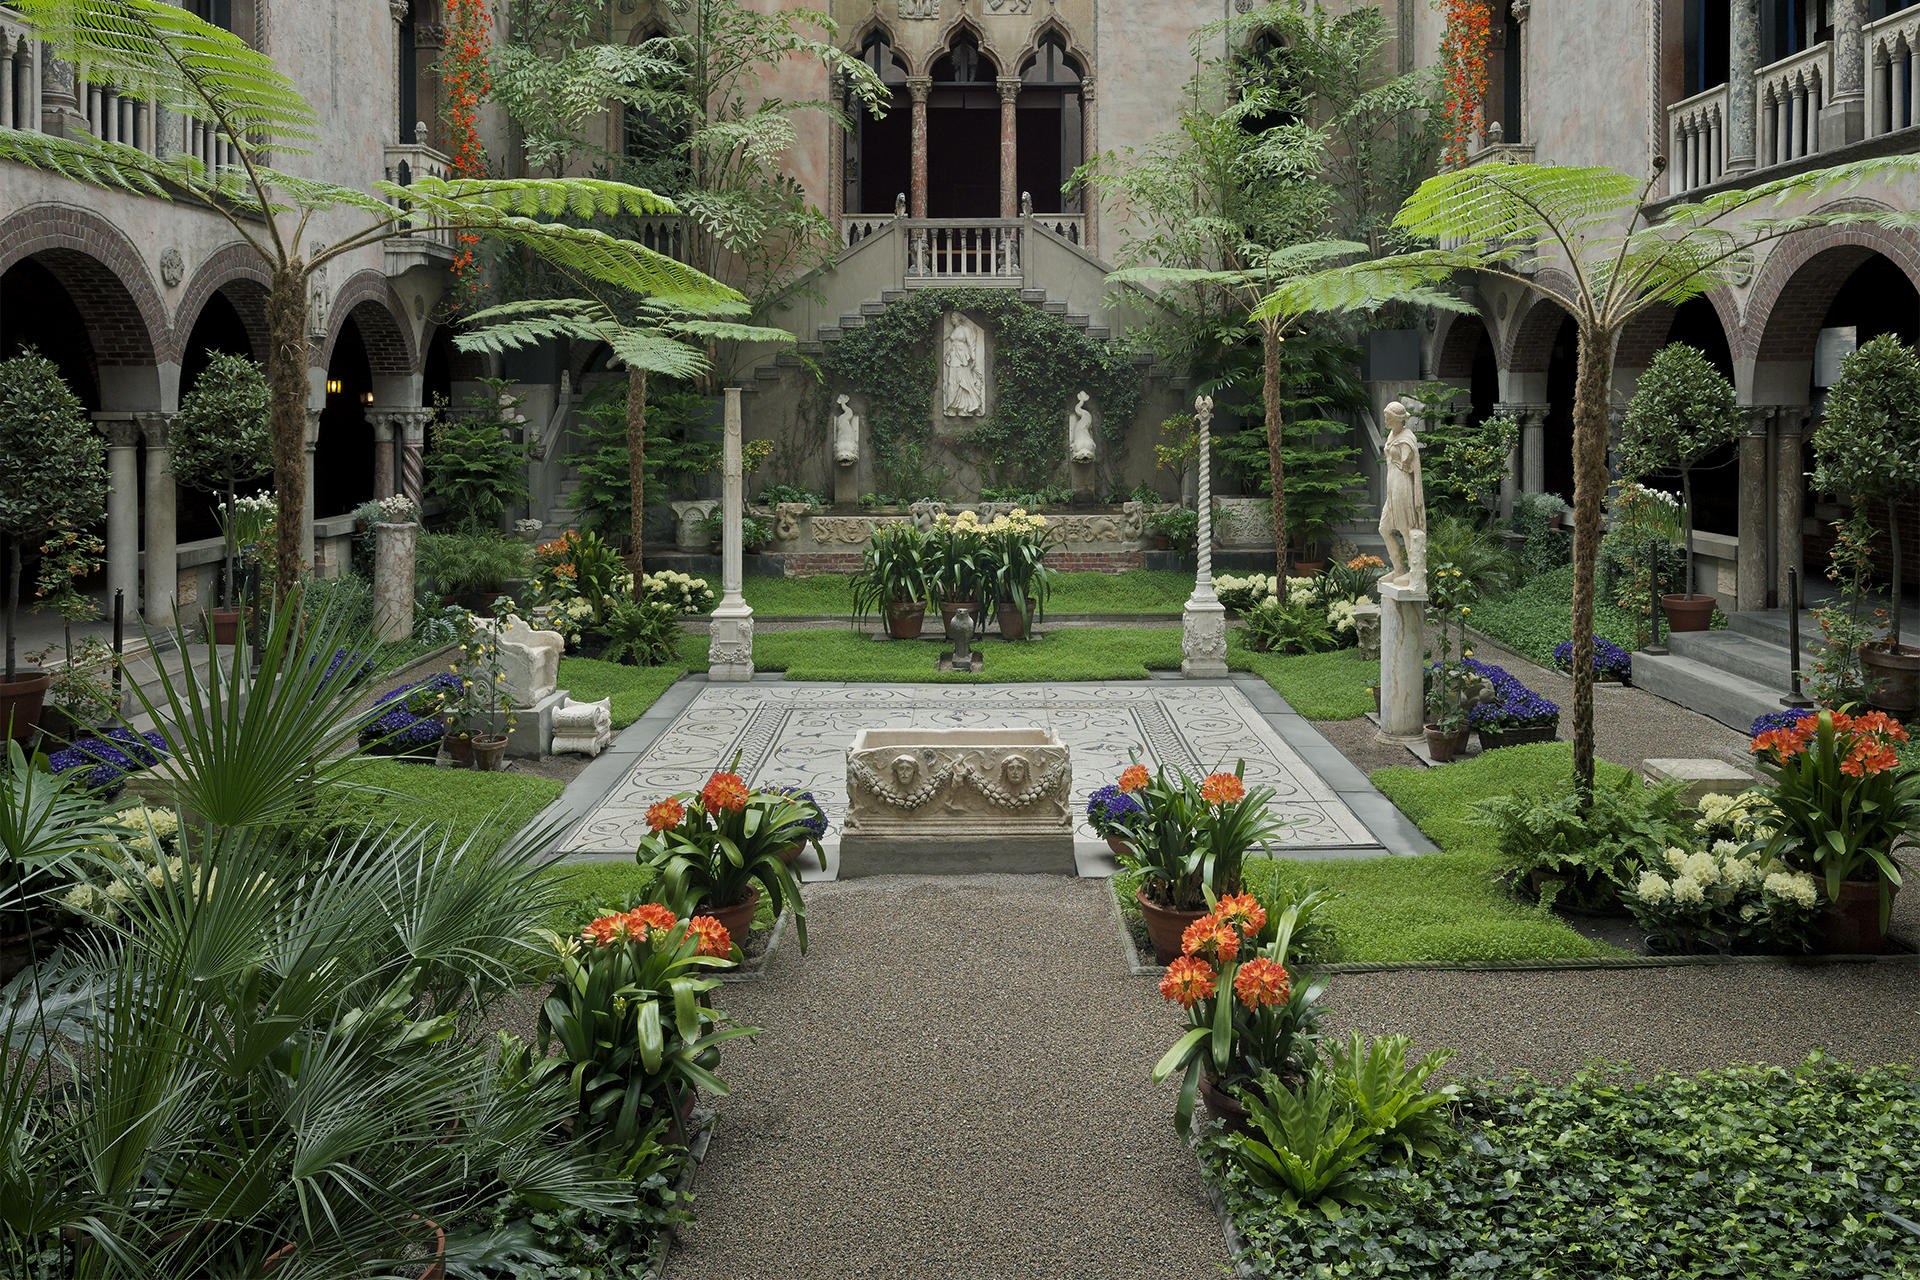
(564, 513)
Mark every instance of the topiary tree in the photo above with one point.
(1682, 410)
(53, 467)
(1867, 445)
(221, 436)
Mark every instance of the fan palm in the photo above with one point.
(155, 49)
(1615, 257)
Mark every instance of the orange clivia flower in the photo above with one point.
(1222, 788)
(1261, 981)
(1212, 939)
(724, 793)
(653, 916)
(1133, 777)
(1243, 912)
(665, 815)
(1188, 981)
(606, 930)
(714, 940)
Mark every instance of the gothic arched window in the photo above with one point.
(1050, 126)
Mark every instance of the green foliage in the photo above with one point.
(1462, 463)
(673, 457)
(1867, 445)
(773, 493)
(1543, 548)
(1290, 626)
(893, 570)
(1591, 848)
(1682, 409)
(453, 564)
(220, 435)
(1531, 619)
(1040, 361)
(1318, 379)
(1749, 1171)
(1478, 553)
(346, 597)
(1138, 591)
(1178, 525)
(472, 466)
(584, 891)
(646, 634)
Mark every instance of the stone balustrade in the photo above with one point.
(1788, 96)
(1893, 48)
(1697, 139)
(963, 250)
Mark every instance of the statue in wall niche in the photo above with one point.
(846, 433)
(1404, 512)
(966, 369)
(1080, 442)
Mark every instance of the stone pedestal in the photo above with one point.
(393, 548)
(532, 730)
(846, 485)
(1403, 658)
(730, 644)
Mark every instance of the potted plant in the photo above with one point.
(246, 526)
(1516, 717)
(1017, 576)
(220, 438)
(1447, 682)
(80, 699)
(1843, 801)
(809, 829)
(957, 555)
(1611, 663)
(1188, 843)
(719, 848)
(1247, 1014)
(1179, 526)
(1682, 410)
(630, 1016)
(1867, 448)
(893, 579)
(53, 470)
(1111, 807)
(486, 707)
(755, 532)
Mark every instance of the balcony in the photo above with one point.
(1697, 139)
(1788, 95)
(1893, 45)
(954, 251)
(404, 162)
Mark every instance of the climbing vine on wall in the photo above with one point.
(464, 75)
(1039, 363)
(1463, 55)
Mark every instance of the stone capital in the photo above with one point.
(122, 430)
(155, 427)
(918, 87)
(1759, 421)
(313, 429)
(1009, 87)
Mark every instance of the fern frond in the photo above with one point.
(1421, 279)
(540, 197)
(156, 49)
(1526, 202)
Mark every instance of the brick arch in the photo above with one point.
(1647, 332)
(1789, 301)
(1528, 345)
(103, 272)
(1453, 360)
(237, 271)
(944, 45)
(370, 299)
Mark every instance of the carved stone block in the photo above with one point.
(933, 799)
(1366, 630)
(583, 727)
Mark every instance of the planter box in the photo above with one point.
(1494, 739)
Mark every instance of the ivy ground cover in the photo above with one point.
(1745, 1172)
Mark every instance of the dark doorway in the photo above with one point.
(1048, 129)
(1563, 369)
(37, 311)
(343, 458)
(1716, 477)
(880, 152)
(963, 134)
(1483, 390)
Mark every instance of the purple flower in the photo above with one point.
(815, 826)
(101, 763)
(1609, 659)
(1108, 810)
(391, 728)
(1780, 720)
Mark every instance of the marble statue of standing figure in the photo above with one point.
(1403, 514)
(966, 368)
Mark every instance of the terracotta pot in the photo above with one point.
(460, 749)
(1554, 523)
(677, 1128)
(1494, 739)
(948, 609)
(1118, 846)
(1223, 1106)
(55, 723)
(224, 625)
(1164, 926)
(790, 854)
(906, 618)
(1309, 568)
(1851, 926)
(1443, 747)
(1687, 613)
(738, 918)
(20, 701)
(1893, 678)
(488, 752)
(1013, 624)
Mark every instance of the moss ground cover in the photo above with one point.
(1435, 908)
(464, 801)
(1750, 1171)
(1139, 591)
(1320, 686)
(1535, 617)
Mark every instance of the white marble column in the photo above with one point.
(1203, 624)
(123, 505)
(730, 632)
(393, 559)
(162, 545)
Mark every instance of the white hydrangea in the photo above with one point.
(119, 891)
(1653, 888)
(1340, 616)
(79, 899)
(1702, 867)
(1738, 873)
(1676, 858)
(1687, 892)
(1794, 886)
(1724, 849)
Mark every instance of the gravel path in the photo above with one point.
(1657, 1019)
(953, 1082)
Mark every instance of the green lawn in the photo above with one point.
(1136, 591)
(593, 889)
(465, 802)
(1534, 618)
(1443, 907)
(633, 689)
(1320, 686)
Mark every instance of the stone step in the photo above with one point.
(1033, 295)
(827, 333)
(852, 322)
(1079, 322)
(1772, 626)
(812, 348)
(1735, 653)
(893, 295)
(1054, 308)
(1733, 700)
(872, 308)
(1099, 331)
